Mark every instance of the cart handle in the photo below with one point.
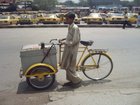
(57, 40)
(53, 40)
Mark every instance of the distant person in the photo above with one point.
(126, 22)
(138, 20)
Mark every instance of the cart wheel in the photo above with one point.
(39, 80)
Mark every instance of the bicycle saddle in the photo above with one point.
(87, 43)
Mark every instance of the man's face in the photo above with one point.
(69, 20)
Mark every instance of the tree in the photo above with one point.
(90, 3)
(12, 7)
(69, 3)
(83, 3)
(46, 4)
(35, 7)
(137, 2)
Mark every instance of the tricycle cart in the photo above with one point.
(39, 63)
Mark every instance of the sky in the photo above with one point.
(76, 1)
(66, 0)
(127, 0)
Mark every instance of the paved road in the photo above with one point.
(122, 87)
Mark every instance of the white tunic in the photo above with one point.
(70, 53)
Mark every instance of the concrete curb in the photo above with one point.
(63, 25)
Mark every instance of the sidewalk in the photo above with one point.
(96, 97)
(64, 25)
(67, 96)
(105, 92)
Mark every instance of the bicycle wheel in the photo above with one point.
(97, 66)
(40, 81)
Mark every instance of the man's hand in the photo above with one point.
(62, 41)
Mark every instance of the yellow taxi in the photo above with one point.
(132, 18)
(49, 19)
(85, 18)
(93, 18)
(27, 19)
(61, 16)
(115, 18)
(8, 20)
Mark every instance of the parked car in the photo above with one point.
(8, 20)
(61, 16)
(94, 18)
(132, 18)
(49, 19)
(27, 19)
(115, 18)
(85, 18)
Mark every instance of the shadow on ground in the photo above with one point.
(23, 87)
(83, 84)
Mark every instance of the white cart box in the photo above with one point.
(31, 54)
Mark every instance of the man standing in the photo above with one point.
(70, 51)
(126, 22)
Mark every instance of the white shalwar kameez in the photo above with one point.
(70, 53)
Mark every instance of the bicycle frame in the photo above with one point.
(83, 50)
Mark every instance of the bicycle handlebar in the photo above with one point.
(53, 40)
(57, 40)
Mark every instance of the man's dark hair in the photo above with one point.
(70, 15)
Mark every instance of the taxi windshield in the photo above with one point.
(3, 17)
